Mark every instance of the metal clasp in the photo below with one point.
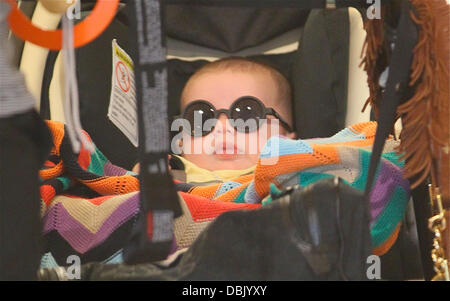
(437, 224)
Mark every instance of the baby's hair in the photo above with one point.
(248, 65)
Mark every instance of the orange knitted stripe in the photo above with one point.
(356, 143)
(202, 209)
(53, 172)
(113, 185)
(210, 190)
(205, 191)
(95, 201)
(57, 132)
(386, 246)
(244, 179)
(47, 193)
(84, 158)
(49, 164)
(232, 194)
(367, 128)
(265, 174)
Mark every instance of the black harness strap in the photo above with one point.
(152, 238)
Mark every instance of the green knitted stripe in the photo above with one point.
(267, 200)
(240, 197)
(97, 164)
(383, 227)
(393, 213)
(65, 181)
(274, 193)
(307, 178)
(364, 162)
(394, 159)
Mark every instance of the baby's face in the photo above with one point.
(224, 147)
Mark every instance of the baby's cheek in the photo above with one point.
(255, 142)
(263, 134)
(197, 145)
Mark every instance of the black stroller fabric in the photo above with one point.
(231, 29)
(319, 75)
(25, 143)
(317, 233)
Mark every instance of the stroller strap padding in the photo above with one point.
(153, 236)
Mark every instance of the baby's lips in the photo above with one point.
(226, 148)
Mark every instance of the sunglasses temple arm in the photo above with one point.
(283, 123)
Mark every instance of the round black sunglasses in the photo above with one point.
(244, 108)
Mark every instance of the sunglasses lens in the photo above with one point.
(250, 111)
(197, 113)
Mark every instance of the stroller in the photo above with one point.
(332, 79)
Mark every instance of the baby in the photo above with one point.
(229, 109)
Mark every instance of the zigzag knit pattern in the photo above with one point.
(89, 205)
(285, 162)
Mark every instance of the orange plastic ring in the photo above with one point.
(84, 32)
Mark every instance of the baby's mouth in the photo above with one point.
(226, 151)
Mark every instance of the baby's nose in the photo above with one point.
(223, 125)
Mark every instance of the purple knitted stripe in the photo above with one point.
(80, 238)
(388, 179)
(174, 247)
(111, 170)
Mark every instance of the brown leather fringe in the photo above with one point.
(425, 116)
(375, 59)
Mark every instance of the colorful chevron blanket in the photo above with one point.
(89, 205)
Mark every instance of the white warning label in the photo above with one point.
(122, 104)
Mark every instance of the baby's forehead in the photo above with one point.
(222, 87)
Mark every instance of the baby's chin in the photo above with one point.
(223, 161)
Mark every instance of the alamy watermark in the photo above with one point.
(373, 271)
(73, 271)
(374, 11)
(74, 11)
